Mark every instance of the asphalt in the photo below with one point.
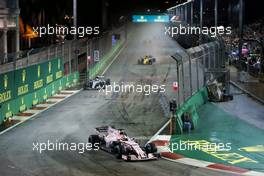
(245, 108)
(73, 120)
(252, 86)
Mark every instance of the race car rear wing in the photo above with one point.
(102, 129)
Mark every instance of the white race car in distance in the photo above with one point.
(95, 84)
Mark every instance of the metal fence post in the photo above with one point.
(183, 85)
(204, 65)
(87, 61)
(216, 12)
(191, 13)
(201, 19)
(186, 13)
(197, 73)
(190, 72)
(69, 59)
(214, 58)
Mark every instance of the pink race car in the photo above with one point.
(117, 142)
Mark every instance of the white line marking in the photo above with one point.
(253, 173)
(114, 59)
(158, 132)
(194, 162)
(6, 130)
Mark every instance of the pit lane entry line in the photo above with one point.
(116, 56)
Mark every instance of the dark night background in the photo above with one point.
(39, 12)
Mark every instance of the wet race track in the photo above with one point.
(73, 120)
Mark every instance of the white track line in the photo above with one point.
(114, 59)
(6, 130)
(158, 132)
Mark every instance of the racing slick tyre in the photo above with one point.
(124, 150)
(107, 82)
(93, 139)
(87, 85)
(84, 86)
(117, 151)
(227, 97)
(157, 155)
(120, 150)
(150, 62)
(150, 148)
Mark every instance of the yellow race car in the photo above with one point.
(146, 60)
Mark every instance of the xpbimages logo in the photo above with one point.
(64, 30)
(80, 147)
(130, 87)
(201, 145)
(211, 31)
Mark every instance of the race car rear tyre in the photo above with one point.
(93, 139)
(107, 82)
(151, 148)
(124, 150)
(117, 151)
(157, 155)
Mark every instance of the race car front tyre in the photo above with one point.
(150, 148)
(94, 139)
(157, 155)
(124, 150)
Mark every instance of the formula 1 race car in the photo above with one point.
(146, 60)
(117, 142)
(98, 83)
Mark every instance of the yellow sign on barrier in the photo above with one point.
(5, 96)
(214, 150)
(257, 148)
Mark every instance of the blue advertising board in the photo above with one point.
(150, 18)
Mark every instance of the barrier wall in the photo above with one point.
(23, 88)
(190, 105)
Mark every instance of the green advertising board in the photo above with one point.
(23, 88)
